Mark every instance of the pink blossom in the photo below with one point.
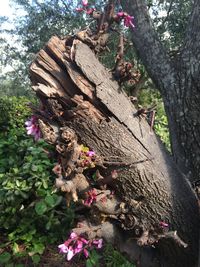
(90, 11)
(63, 248)
(73, 235)
(120, 14)
(84, 2)
(32, 128)
(77, 244)
(98, 243)
(79, 247)
(92, 196)
(79, 9)
(70, 253)
(90, 153)
(86, 253)
(128, 21)
(84, 240)
(164, 224)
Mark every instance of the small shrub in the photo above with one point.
(31, 212)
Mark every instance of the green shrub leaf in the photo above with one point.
(40, 207)
(5, 257)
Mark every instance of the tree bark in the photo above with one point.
(81, 103)
(178, 81)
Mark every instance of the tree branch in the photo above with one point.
(191, 47)
(148, 45)
(168, 12)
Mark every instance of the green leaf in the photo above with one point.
(89, 263)
(5, 257)
(58, 199)
(48, 225)
(24, 195)
(9, 265)
(34, 168)
(38, 248)
(40, 207)
(27, 237)
(15, 170)
(36, 259)
(15, 248)
(45, 184)
(50, 201)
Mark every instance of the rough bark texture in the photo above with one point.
(178, 81)
(81, 103)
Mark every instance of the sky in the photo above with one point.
(5, 9)
(8, 11)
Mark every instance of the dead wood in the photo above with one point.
(83, 104)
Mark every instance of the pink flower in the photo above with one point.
(63, 248)
(120, 14)
(86, 253)
(72, 246)
(79, 247)
(164, 224)
(76, 244)
(79, 9)
(32, 128)
(73, 235)
(70, 253)
(98, 243)
(92, 196)
(90, 11)
(84, 240)
(84, 2)
(128, 21)
(90, 153)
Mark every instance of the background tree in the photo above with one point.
(177, 80)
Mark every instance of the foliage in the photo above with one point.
(13, 112)
(149, 97)
(114, 259)
(38, 21)
(31, 212)
(93, 260)
(171, 19)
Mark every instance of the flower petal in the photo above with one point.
(120, 14)
(98, 243)
(70, 254)
(86, 253)
(73, 235)
(63, 248)
(84, 2)
(79, 9)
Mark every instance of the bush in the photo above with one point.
(31, 212)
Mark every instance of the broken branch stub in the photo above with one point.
(109, 161)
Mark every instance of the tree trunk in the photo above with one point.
(82, 104)
(178, 81)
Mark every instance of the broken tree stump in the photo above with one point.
(81, 103)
